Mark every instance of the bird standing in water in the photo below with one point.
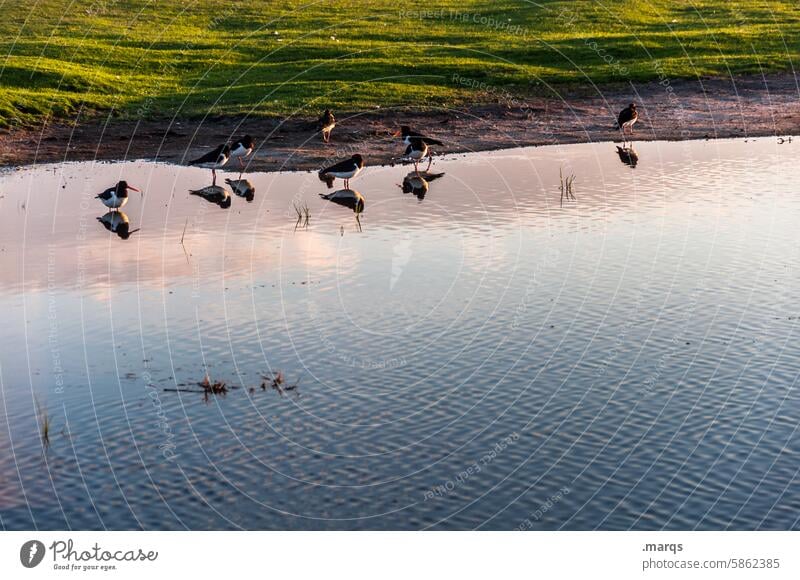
(214, 160)
(417, 145)
(242, 149)
(407, 134)
(117, 196)
(417, 150)
(627, 117)
(346, 170)
(326, 124)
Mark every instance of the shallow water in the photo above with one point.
(489, 356)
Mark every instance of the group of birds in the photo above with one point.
(417, 147)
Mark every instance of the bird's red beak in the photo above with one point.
(397, 133)
(134, 189)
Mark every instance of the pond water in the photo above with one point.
(473, 351)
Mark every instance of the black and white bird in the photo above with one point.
(117, 196)
(214, 160)
(416, 151)
(242, 149)
(346, 170)
(627, 117)
(407, 135)
(326, 124)
(117, 222)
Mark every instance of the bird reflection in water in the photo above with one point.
(214, 194)
(242, 188)
(346, 197)
(418, 183)
(349, 198)
(628, 155)
(117, 222)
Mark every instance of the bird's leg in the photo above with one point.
(214, 175)
(430, 160)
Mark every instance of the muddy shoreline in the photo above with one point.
(672, 110)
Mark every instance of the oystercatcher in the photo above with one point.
(407, 134)
(346, 170)
(117, 196)
(117, 223)
(214, 160)
(627, 117)
(214, 194)
(242, 149)
(346, 197)
(326, 124)
(417, 149)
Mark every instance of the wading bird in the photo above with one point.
(417, 145)
(627, 117)
(242, 149)
(346, 170)
(214, 160)
(117, 196)
(416, 151)
(326, 124)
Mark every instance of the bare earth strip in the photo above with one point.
(707, 108)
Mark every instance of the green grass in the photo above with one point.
(146, 59)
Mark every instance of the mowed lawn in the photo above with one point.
(229, 57)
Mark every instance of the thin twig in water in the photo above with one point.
(566, 186)
(303, 214)
(43, 419)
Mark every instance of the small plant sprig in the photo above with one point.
(566, 186)
(303, 214)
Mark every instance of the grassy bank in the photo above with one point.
(165, 58)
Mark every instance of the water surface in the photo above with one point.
(486, 355)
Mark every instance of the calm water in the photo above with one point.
(484, 357)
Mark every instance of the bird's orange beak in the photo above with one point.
(134, 189)
(397, 133)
